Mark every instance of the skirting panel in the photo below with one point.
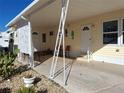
(108, 59)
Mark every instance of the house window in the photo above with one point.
(51, 33)
(123, 31)
(110, 32)
(6, 40)
(123, 37)
(44, 38)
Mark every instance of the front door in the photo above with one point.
(85, 38)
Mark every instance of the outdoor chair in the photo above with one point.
(67, 51)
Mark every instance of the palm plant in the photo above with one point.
(26, 90)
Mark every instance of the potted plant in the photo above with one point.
(29, 80)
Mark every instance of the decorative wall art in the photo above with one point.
(72, 34)
(34, 33)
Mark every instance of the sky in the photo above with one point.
(9, 9)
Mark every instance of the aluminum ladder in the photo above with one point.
(60, 39)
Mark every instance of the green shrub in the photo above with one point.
(7, 65)
(26, 90)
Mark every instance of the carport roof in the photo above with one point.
(47, 12)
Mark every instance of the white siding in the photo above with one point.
(23, 38)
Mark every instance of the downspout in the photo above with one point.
(31, 51)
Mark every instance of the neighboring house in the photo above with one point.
(96, 26)
(6, 40)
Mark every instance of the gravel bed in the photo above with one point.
(42, 84)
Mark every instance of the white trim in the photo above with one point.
(122, 30)
(120, 41)
(111, 19)
(114, 32)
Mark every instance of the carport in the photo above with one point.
(43, 16)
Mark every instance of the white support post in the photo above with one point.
(31, 51)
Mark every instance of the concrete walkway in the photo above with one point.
(83, 77)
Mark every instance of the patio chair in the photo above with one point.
(37, 55)
(61, 51)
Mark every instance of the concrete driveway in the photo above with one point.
(83, 77)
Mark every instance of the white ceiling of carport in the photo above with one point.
(78, 9)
